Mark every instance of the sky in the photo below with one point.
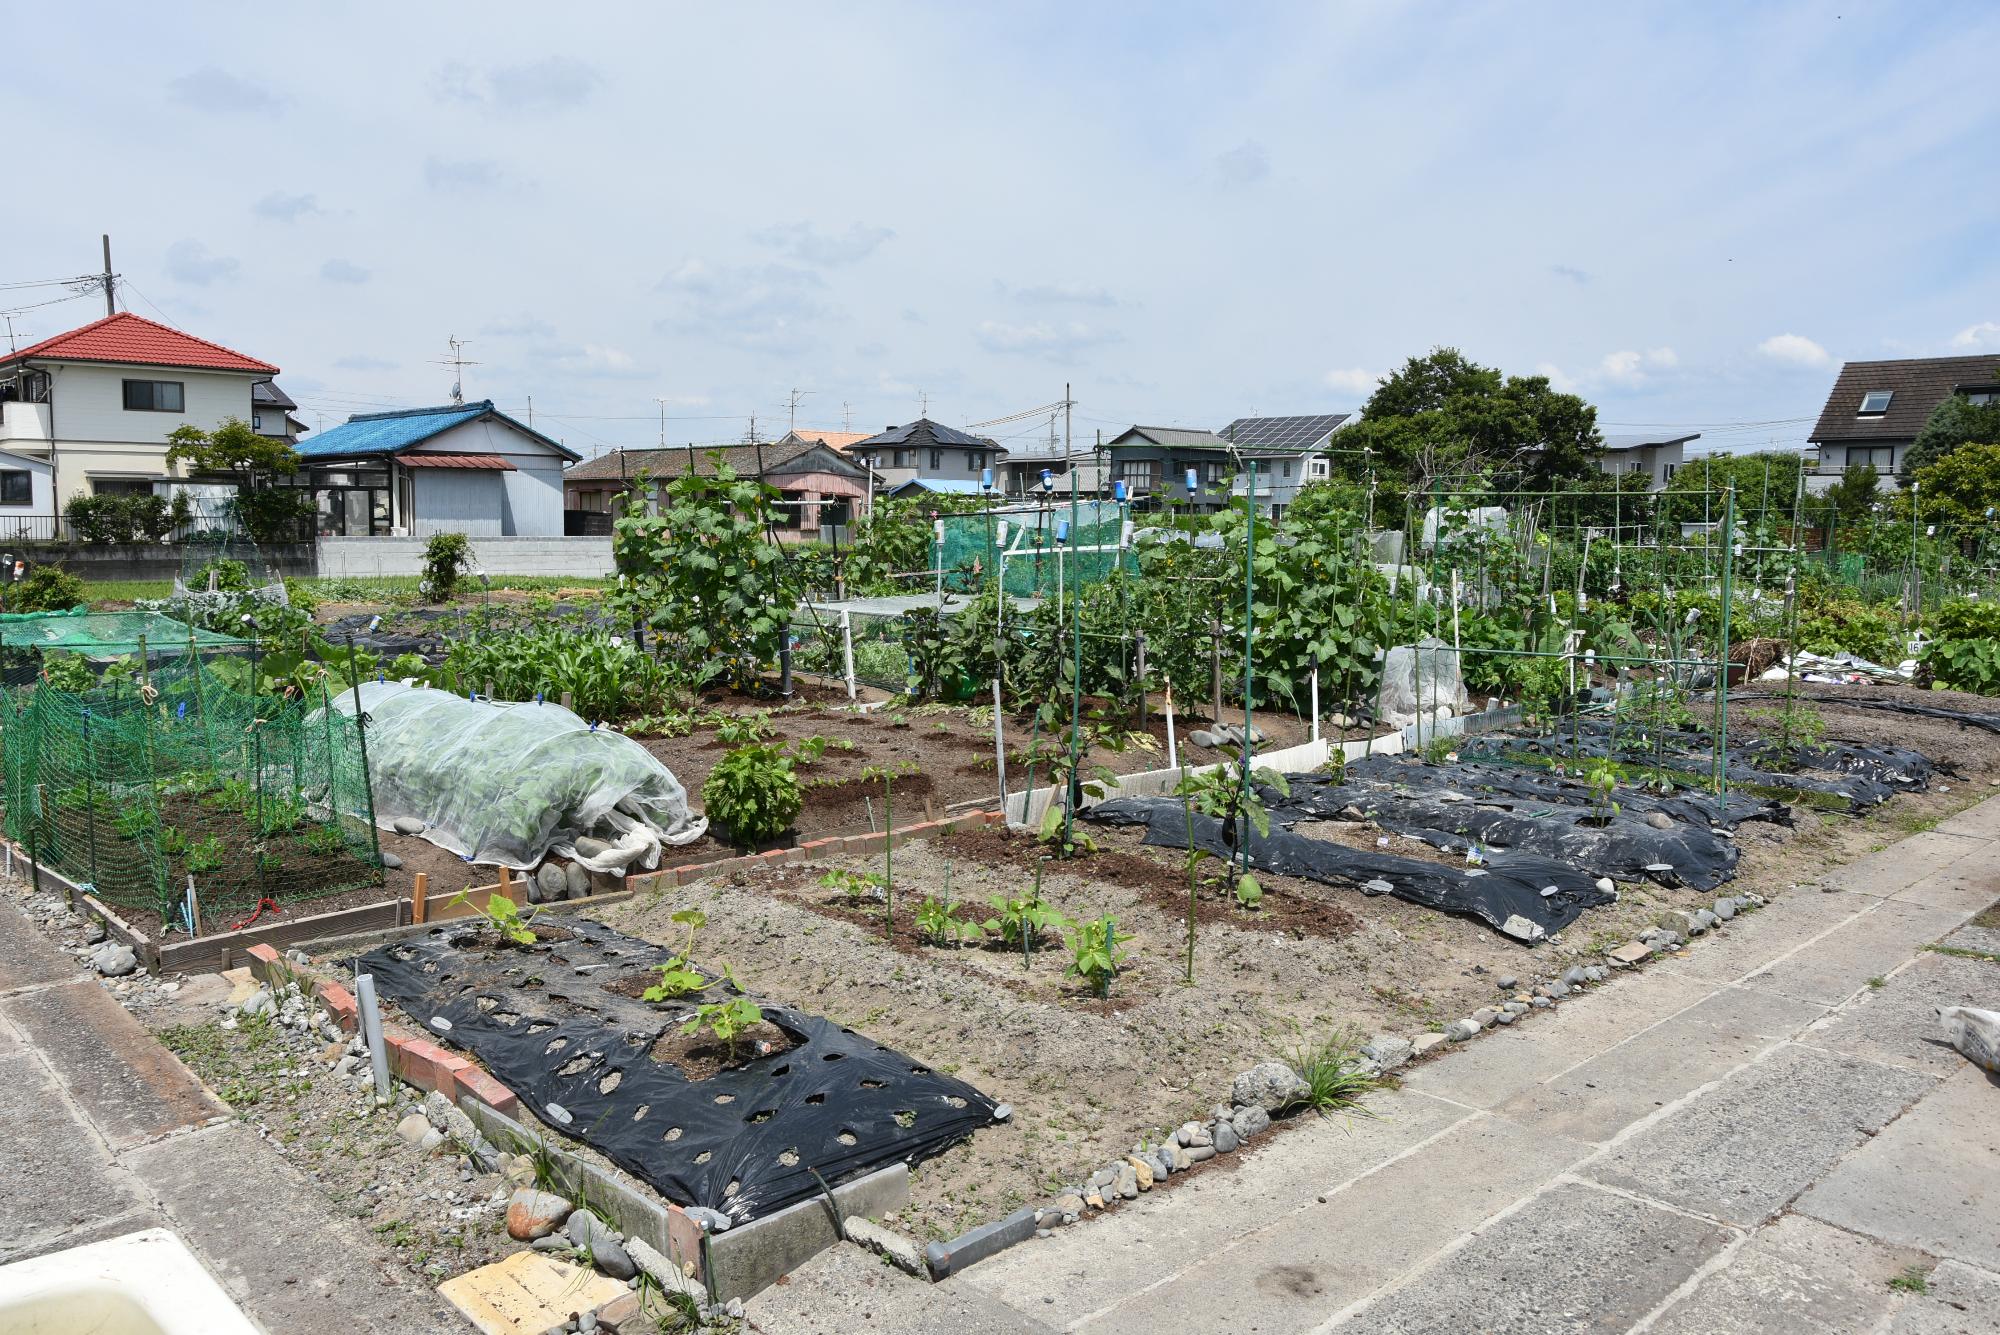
(1688, 213)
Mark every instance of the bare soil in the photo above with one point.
(1089, 1077)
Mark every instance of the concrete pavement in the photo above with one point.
(1757, 1136)
(107, 1133)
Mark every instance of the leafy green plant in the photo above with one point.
(270, 860)
(133, 822)
(46, 589)
(1331, 1070)
(1094, 951)
(324, 840)
(447, 556)
(1249, 891)
(1221, 792)
(887, 776)
(205, 855)
(744, 730)
(1022, 919)
(172, 842)
(504, 916)
(726, 1020)
(938, 922)
(280, 815)
(65, 671)
(678, 976)
(856, 885)
(701, 569)
(1791, 726)
(1964, 649)
(1602, 781)
(753, 793)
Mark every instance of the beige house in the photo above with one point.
(99, 402)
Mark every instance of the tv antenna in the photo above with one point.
(457, 362)
(792, 405)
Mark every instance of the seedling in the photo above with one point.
(939, 923)
(856, 885)
(745, 730)
(888, 778)
(1602, 781)
(678, 977)
(726, 1020)
(324, 840)
(172, 842)
(1022, 920)
(504, 916)
(1094, 952)
(205, 855)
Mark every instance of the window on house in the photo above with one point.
(1287, 468)
(1668, 471)
(17, 487)
(906, 458)
(1880, 457)
(937, 461)
(1983, 395)
(1876, 401)
(120, 486)
(154, 396)
(256, 421)
(1140, 475)
(978, 460)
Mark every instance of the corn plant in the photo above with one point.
(678, 976)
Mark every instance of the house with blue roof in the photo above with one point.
(458, 468)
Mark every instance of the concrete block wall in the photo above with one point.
(368, 558)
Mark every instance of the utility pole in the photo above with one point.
(663, 422)
(110, 280)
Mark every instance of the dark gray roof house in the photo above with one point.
(1876, 409)
(925, 450)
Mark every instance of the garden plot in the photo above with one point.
(1087, 1075)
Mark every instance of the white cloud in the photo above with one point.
(222, 93)
(1055, 341)
(766, 308)
(189, 262)
(1628, 367)
(1985, 334)
(1245, 164)
(592, 359)
(1794, 350)
(280, 207)
(461, 174)
(1557, 380)
(1353, 381)
(363, 362)
(554, 84)
(808, 245)
(343, 271)
(1060, 294)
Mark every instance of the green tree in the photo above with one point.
(1955, 422)
(254, 463)
(704, 572)
(1963, 487)
(1766, 485)
(1444, 414)
(1854, 495)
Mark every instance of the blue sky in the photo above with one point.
(1689, 213)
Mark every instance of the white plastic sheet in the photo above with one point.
(1419, 680)
(507, 784)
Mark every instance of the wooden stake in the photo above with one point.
(420, 890)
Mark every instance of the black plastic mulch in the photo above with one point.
(745, 1141)
(1964, 718)
(1448, 808)
(1521, 895)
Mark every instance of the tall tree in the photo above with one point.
(1955, 422)
(254, 463)
(1962, 488)
(1444, 415)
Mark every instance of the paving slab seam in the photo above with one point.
(56, 1240)
(1424, 1264)
(1713, 1266)
(1302, 1207)
(29, 989)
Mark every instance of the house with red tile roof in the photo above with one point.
(98, 403)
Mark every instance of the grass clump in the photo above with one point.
(1332, 1071)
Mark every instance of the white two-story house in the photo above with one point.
(95, 406)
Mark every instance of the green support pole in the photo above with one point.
(1076, 682)
(1722, 659)
(1249, 636)
(361, 740)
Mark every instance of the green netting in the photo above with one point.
(110, 634)
(160, 774)
(1034, 560)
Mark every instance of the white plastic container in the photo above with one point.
(141, 1284)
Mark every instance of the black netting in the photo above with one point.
(1522, 895)
(553, 1023)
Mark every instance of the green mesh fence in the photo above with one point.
(155, 773)
(101, 635)
(1027, 543)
